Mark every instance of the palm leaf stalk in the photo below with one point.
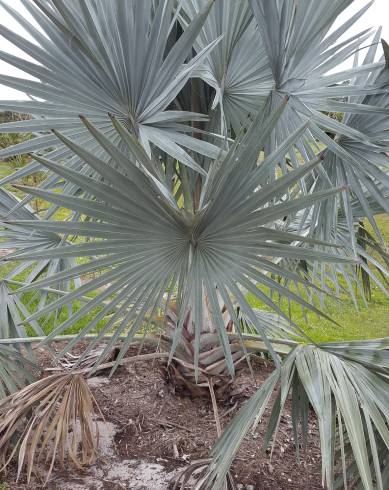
(75, 42)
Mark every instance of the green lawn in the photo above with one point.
(5, 170)
(371, 321)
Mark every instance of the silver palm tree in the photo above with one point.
(204, 166)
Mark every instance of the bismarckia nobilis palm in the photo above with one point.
(192, 146)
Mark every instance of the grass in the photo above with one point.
(371, 321)
(5, 170)
(31, 300)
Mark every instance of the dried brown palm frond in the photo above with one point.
(51, 420)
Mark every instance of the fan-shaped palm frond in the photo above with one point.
(347, 386)
(135, 73)
(302, 51)
(148, 248)
(303, 54)
(237, 68)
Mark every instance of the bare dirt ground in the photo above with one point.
(151, 433)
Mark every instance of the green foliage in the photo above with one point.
(343, 384)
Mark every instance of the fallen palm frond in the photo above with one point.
(50, 420)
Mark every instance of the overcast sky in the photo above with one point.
(377, 15)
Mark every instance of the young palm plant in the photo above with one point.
(204, 166)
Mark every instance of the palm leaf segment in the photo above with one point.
(15, 369)
(148, 249)
(135, 73)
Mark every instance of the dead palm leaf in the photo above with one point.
(50, 420)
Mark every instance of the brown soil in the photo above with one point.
(156, 425)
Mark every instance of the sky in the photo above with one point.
(377, 15)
